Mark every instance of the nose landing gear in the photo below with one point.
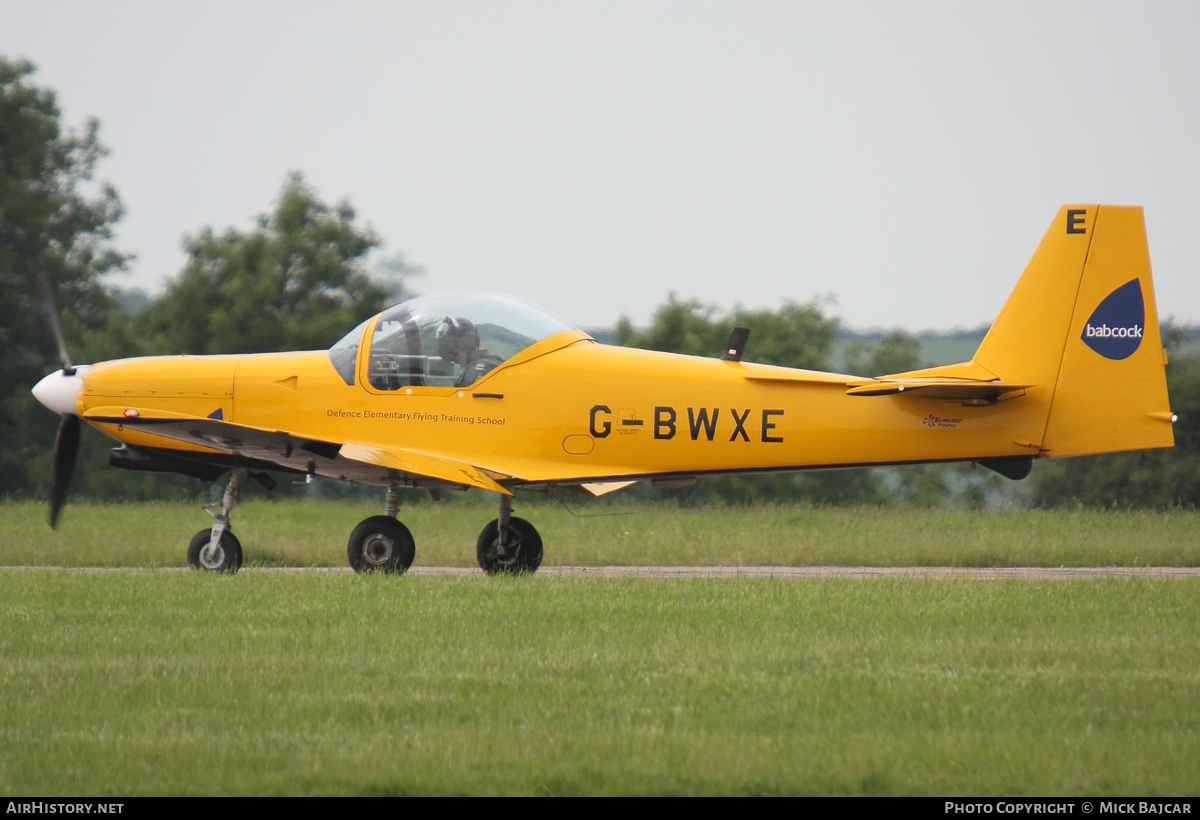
(217, 549)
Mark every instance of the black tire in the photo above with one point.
(228, 557)
(381, 544)
(522, 542)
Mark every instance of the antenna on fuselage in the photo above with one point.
(736, 345)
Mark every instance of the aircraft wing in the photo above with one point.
(279, 449)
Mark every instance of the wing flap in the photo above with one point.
(414, 462)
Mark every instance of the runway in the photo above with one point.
(784, 573)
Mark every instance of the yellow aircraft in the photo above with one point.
(477, 390)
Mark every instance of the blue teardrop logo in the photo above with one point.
(1114, 330)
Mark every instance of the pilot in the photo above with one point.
(458, 342)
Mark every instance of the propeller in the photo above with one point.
(66, 447)
(57, 391)
(51, 306)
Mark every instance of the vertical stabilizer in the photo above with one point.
(1026, 341)
(1025, 344)
(1111, 390)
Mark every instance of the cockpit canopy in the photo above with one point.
(444, 340)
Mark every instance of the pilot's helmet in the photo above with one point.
(456, 337)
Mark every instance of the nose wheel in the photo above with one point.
(224, 556)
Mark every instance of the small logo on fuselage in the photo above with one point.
(1114, 330)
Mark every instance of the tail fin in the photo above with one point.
(1082, 327)
(1029, 336)
(1111, 392)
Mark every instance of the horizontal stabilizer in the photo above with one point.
(934, 388)
(782, 375)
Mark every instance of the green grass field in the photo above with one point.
(189, 683)
(149, 682)
(314, 533)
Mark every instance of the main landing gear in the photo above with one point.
(381, 543)
(217, 549)
(507, 545)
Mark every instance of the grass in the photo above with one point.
(190, 683)
(314, 533)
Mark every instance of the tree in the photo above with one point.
(898, 351)
(796, 335)
(54, 220)
(297, 281)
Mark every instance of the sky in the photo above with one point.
(899, 159)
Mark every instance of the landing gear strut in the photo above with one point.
(381, 543)
(509, 544)
(217, 549)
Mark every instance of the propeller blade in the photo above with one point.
(66, 447)
(51, 307)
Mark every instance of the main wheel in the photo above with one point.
(227, 557)
(381, 544)
(522, 548)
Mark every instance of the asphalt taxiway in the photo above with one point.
(787, 573)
